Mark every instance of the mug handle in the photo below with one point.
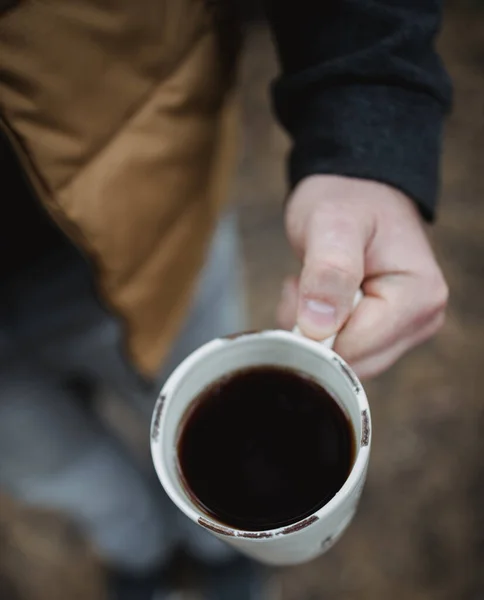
(329, 342)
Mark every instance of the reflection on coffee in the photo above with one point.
(265, 447)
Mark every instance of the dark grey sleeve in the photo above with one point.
(362, 91)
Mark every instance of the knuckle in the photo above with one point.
(433, 328)
(432, 322)
(438, 294)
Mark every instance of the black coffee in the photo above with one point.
(265, 447)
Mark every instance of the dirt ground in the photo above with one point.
(420, 531)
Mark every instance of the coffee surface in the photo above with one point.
(265, 447)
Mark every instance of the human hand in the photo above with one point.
(351, 233)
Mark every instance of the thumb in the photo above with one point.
(333, 271)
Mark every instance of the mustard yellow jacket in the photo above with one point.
(120, 113)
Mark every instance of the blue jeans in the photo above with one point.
(57, 453)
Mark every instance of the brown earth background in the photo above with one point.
(419, 534)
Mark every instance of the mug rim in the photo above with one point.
(188, 507)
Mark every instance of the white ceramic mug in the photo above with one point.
(313, 535)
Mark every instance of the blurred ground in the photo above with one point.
(420, 531)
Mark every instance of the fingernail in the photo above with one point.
(319, 315)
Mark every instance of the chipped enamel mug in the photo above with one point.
(312, 536)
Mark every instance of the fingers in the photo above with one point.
(331, 275)
(377, 364)
(396, 313)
